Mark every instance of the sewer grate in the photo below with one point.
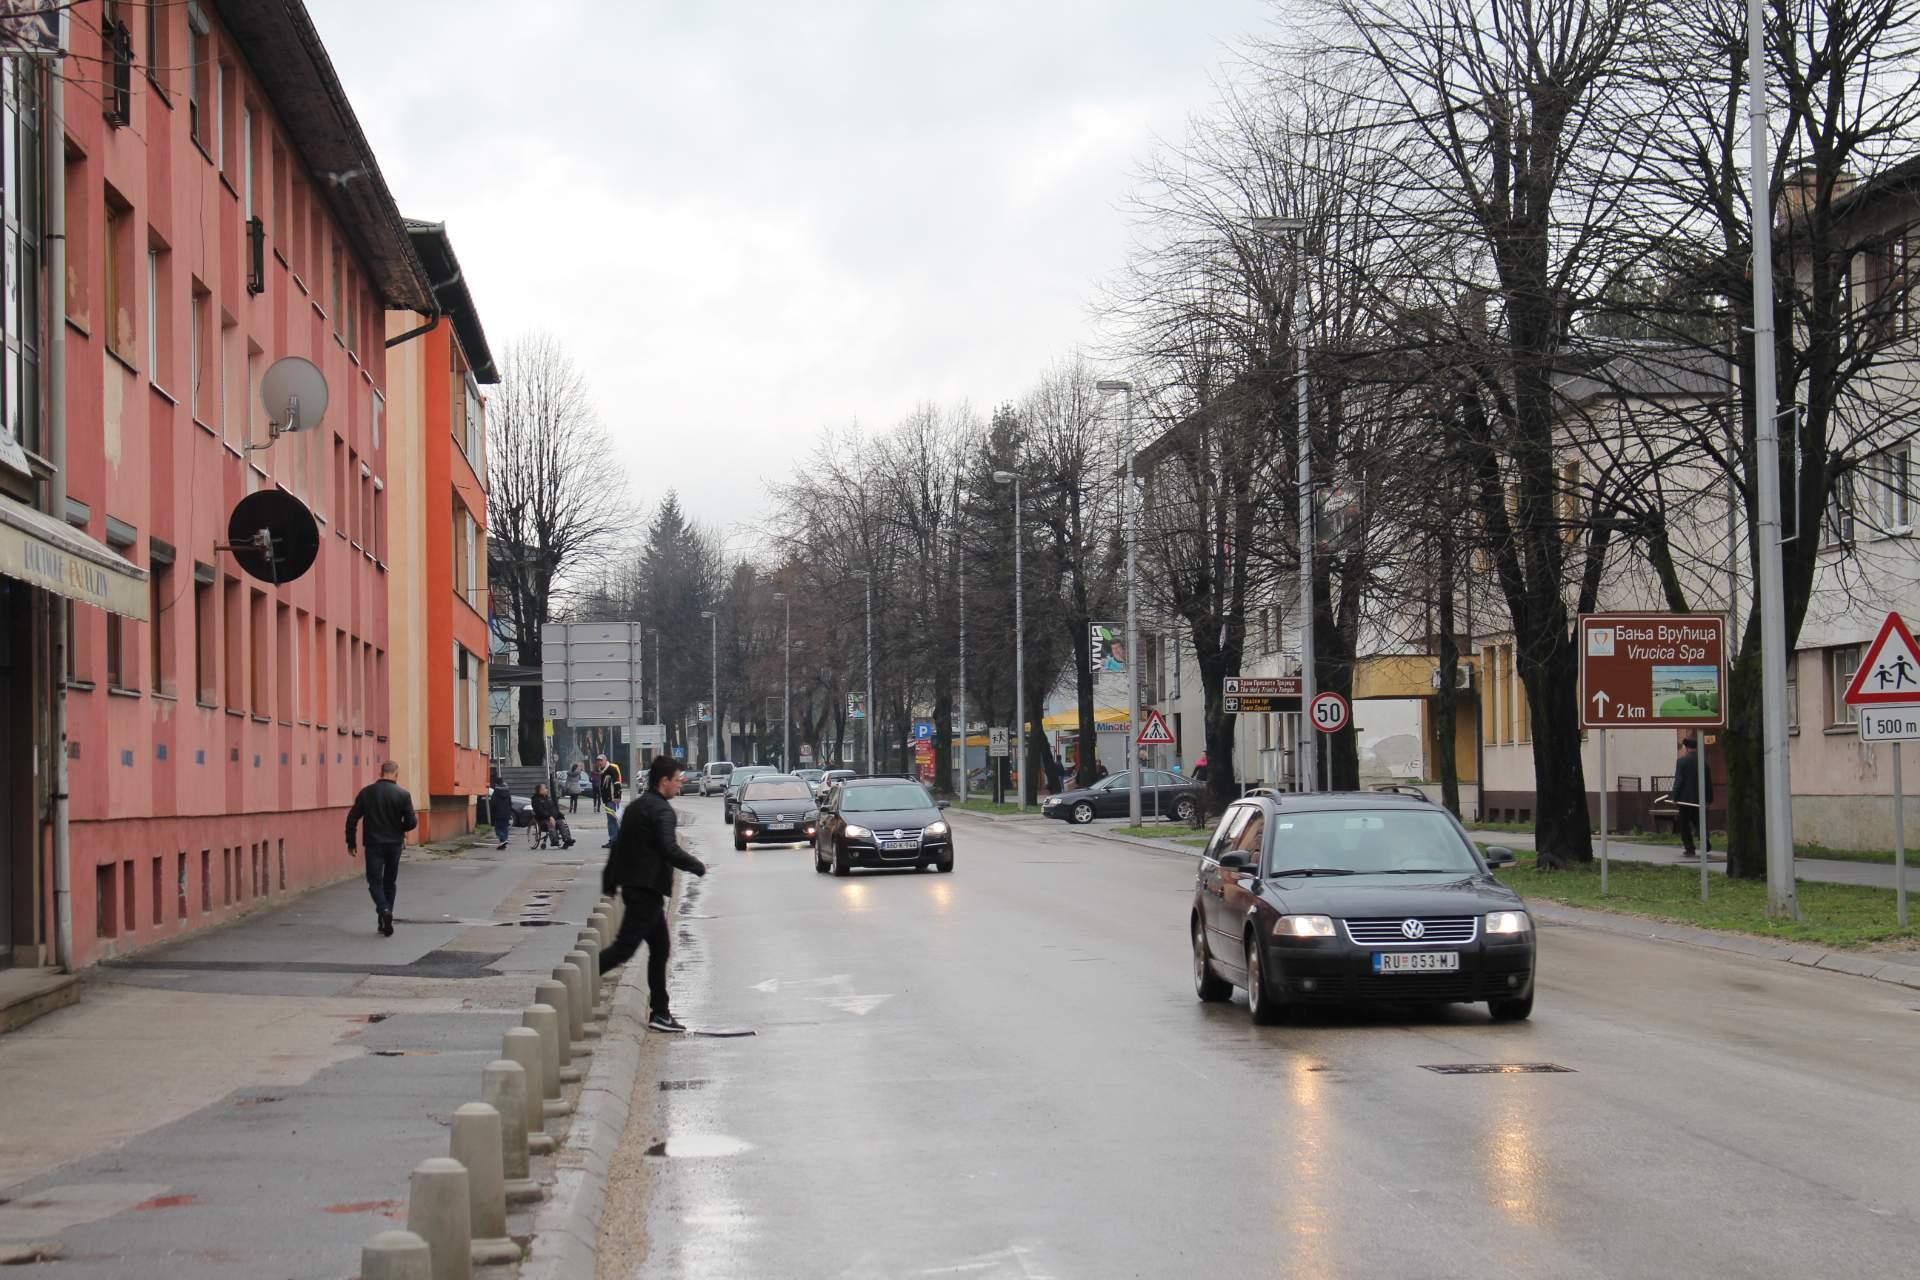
(676, 1086)
(1494, 1068)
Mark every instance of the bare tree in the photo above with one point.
(550, 510)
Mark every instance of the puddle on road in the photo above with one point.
(698, 1146)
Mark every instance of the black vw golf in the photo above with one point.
(1356, 898)
(881, 822)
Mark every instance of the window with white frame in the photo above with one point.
(199, 42)
(1889, 477)
(475, 436)
(1842, 662)
(1839, 530)
(1793, 693)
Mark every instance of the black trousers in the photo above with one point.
(1687, 822)
(644, 923)
(383, 872)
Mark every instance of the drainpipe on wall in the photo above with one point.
(433, 322)
(56, 234)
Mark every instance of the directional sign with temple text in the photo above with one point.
(1653, 670)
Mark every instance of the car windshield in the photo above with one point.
(896, 795)
(811, 775)
(1368, 841)
(777, 789)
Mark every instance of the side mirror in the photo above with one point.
(1233, 862)
(945, 804)
(1499, 856)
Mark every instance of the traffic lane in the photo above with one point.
(1005, 1072)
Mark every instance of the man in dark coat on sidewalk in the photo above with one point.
(645, 852)
(386, 811)
(1690, 815)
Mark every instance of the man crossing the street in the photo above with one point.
(640, 868)
(386, 811)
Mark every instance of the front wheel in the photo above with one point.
(1208, 985)
(945, 865)
(739, 845)
(1264, 1008)
(1519, 1009)
(1083, 812)
(840, 864)
(1185, 810)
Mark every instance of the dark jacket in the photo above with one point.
(1686, 782)
(387, 810)
(544, 807)
(500, 807)
(647, 848)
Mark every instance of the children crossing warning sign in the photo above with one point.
(1155, 733)
(1890, 673)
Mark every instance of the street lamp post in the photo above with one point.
(962, 569)
(1132, 517)
(1306, 755)
(786, 689)
(1019, 643)
(867, 576)
(713, 734)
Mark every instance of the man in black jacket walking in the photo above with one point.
(387, 812)
(1689, 813)
(645, 852)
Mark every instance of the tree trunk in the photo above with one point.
(1034, 770)
(533, 724)
(1083, 688)
(1333, 673)
(1222, 781)
(944, 778)
(1445, 704)
(1563, 832)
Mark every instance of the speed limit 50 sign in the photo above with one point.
(1329, 712)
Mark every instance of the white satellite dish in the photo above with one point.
(294, 392)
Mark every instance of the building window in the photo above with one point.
(379, 521)
(1890, 487)
(119, 659)
(235, 647)
(201, 355)
(246, 163)
(119, 276)
(379, 417)
(206, 630)
(1842, 662)
(1793, 693)
(199, 42)
(262, 640)
(1839, 529)
(161, 631)
(106, 898)
(283, 663)
(222, 106)
(339, 284)
(20, 181)
(159, 44)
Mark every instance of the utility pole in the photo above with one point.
(1307, 756)
(713, 734)
(962, 570)
(1777, 789)
(1019, 642)
(786, 689)
(1131, 515)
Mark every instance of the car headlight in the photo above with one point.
(937, 829)
(856, 833)
(1051, 802)
(1508, 923)
(745, 814)
(1303, 927)
(812, 816)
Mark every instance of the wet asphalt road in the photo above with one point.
(1004, 1072)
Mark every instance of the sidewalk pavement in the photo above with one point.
(1877, 875)
(250, 1102)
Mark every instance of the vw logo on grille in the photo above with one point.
(1414, 928)
(899, 835)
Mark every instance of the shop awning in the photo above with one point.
(53, 555)
(1103, 718)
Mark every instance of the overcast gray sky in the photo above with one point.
(749, 221)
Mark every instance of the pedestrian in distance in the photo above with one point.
(1100, 770)
(1690, 813)
(500, 808)
(384, 813)
(576, 783)
(546, 816)
(640, 869)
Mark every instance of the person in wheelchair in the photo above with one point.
(549, 827)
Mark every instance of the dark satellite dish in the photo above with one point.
(273, 536)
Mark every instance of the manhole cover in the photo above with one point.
(1494, 1068)
(676, 1086)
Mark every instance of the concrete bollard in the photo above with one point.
(556, 997)
(597, 1007)
(439, 1211)
(600, 922)
(503, 1086)
(522, 1045)
(475, 1143)
(396, 1255)
(546, 1020)
(615, 910)
(582, 1001)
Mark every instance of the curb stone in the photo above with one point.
(566, 1229)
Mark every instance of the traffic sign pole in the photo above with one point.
(1899, 841)
(1700, 794)
(1603, 813)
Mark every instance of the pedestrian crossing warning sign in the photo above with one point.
(1890, 673)
(1155, 732)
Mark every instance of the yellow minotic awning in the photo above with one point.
(1067, 721)
(54, 556)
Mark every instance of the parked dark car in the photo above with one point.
(882, 822)
(741, 775)
(1162, 794)
(1356, 898)
(775, 808)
